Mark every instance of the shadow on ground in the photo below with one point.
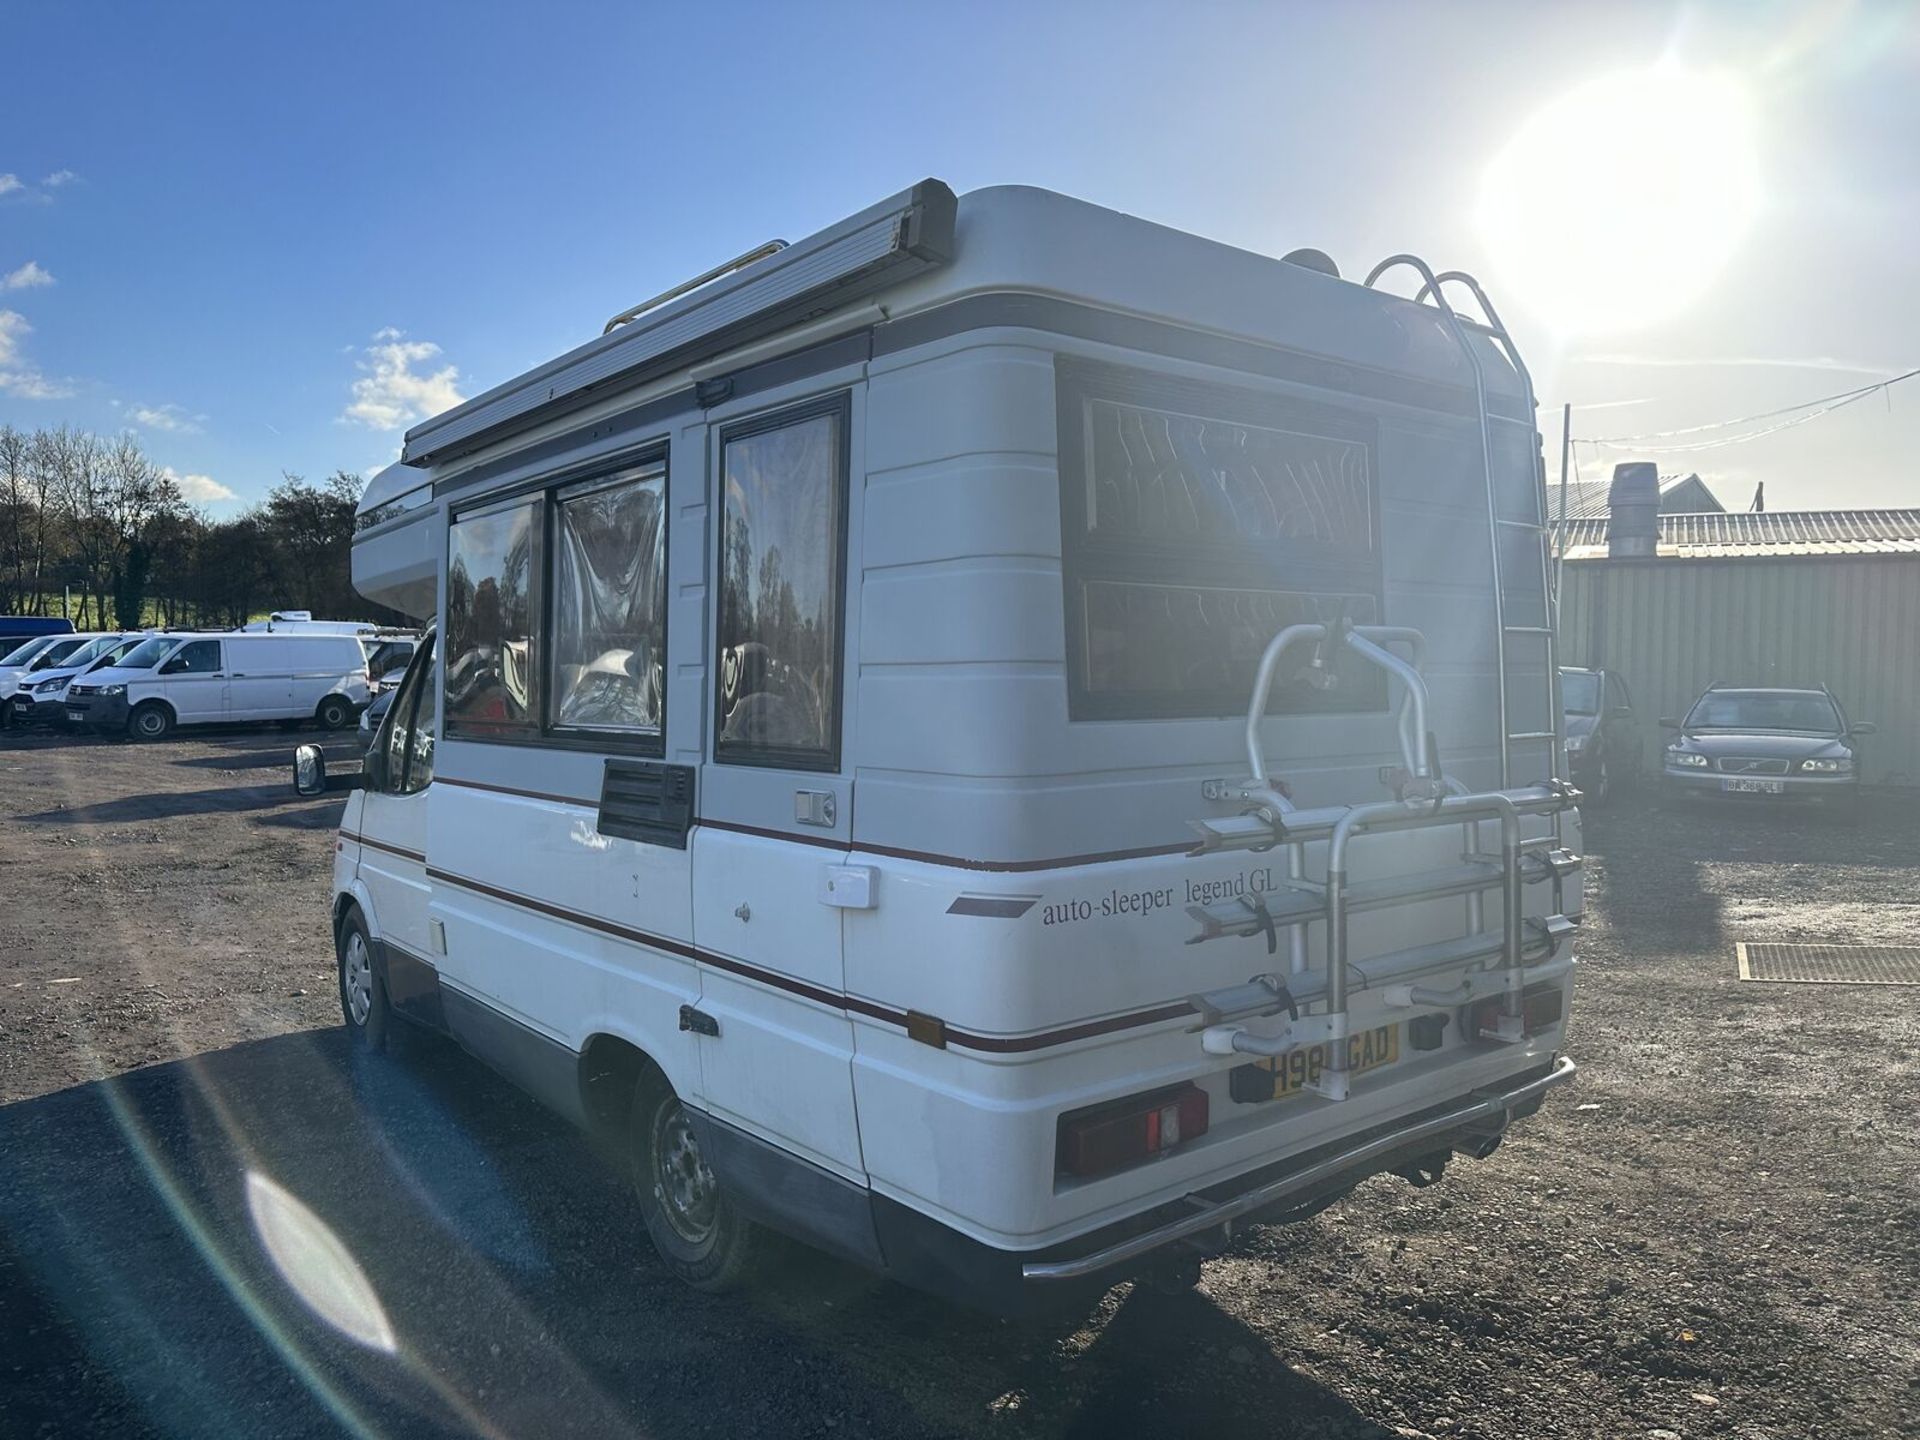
(507, 1263)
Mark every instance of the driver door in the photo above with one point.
(393, 835)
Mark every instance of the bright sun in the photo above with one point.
(1616, 206)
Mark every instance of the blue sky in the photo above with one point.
(268, 237)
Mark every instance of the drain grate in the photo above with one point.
(1831, 964)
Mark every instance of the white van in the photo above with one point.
(1002, 739)
(41, 693)
(201, 679)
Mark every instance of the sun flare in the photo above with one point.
(1617, 206)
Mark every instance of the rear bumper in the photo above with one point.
(874, 1230)
(1481, 1120)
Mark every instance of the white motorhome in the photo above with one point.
(1001, 739)
(198, 678)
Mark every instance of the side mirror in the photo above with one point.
(1864, 727)
(310, 775)
(1667, 722)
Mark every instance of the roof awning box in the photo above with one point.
(880, 247)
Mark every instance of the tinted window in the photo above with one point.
(610, 603)
(1580, 692)
(779, 634)
(1759, 710)
(1197, 521)
(196, 657)
(493, 622)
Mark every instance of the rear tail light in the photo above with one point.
(1540, 1009)
(1120, 1133)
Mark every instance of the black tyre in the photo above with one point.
(150, 721)
(701, 1237)
(334, 713)
(363, 996)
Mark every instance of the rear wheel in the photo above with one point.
(151, 721)
(702, 1238)
(1602, 787)
(334, 713)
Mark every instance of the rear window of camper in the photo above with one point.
(1197, 521)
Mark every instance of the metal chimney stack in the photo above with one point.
(1633, 511)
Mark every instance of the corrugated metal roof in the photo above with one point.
(1768, 532)
(1588, 498)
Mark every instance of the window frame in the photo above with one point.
(607, 476)
(1086, 558)
(826, 760)
(543, 492)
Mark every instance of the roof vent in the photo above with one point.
(1311, 259)
(1633, 511)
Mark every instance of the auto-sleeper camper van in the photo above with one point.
(1000, 739)
(202, 678)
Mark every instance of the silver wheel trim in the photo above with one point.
(356, 978)
(688, 1194)
(151, 722)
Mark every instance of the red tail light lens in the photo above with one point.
(1120, 1133)
(1540, 1009)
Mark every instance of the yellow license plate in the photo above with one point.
(1297, 1069)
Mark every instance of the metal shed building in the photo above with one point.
(1774, 598)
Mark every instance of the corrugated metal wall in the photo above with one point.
(1672, 627)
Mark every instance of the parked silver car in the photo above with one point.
(1752, 742)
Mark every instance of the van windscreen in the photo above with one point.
(20, 655)
(148, 653)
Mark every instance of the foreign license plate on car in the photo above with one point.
(1755, 787)
(76, 716)
(1297, 1069)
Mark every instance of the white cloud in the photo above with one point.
(28, 277)
(17, 376)
(170, 418)
(198, 489)
(9, 184)
(59, 178)
(391, 393)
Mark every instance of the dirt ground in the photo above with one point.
(1716, 1232)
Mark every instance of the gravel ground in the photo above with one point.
(1716, 1232)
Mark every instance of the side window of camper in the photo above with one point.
(610, 603)
(783, 519)
(1197, 521)
(493, 622)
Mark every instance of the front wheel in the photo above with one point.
(151, 721)
(702, 1238)
(335, 713)
(363, 998)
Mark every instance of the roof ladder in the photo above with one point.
(1524, 603)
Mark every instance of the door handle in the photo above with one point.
(239, 674)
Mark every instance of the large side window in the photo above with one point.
(1197, 520)
(493, 623)
(610, 603)
(409, 733)
(783, 480)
